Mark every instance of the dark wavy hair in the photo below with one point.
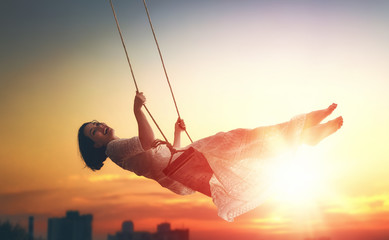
(93, 157)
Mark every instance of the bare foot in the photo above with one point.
(315, 117)
(315, 134)
(338, 122)
(331, 108)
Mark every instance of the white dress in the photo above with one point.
(239, 159)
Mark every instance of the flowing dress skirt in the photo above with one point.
(241, 159)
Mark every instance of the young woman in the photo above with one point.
(238, 158)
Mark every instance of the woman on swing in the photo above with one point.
(238, 158)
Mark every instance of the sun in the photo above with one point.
(300, 184)
(300, 180)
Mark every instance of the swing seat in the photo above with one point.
(191, 169)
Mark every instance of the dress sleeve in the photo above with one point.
(120, 149)
(134, 147)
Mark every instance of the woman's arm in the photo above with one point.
(178, 128)
(145, 132)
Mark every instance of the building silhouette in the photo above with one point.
(31, 228)
(164, 232)
(128, 227)
(71, 227)
(128, 233)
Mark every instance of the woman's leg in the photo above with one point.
(271, 140)
(315, 117)
(313, 135)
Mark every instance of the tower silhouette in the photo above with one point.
(31, 228)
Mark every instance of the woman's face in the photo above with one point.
(100, 133)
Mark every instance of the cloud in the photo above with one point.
(105, 178)
(358, 204)
(113, 199)
(111, 177)
(25, 201)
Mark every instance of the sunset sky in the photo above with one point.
(232, 64)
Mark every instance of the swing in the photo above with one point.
(191, 168)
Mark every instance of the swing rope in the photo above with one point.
(157, 142)
(124, 46)
(133, 77)
(163, 65)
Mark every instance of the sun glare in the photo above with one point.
(298, 181)
(298, 187)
